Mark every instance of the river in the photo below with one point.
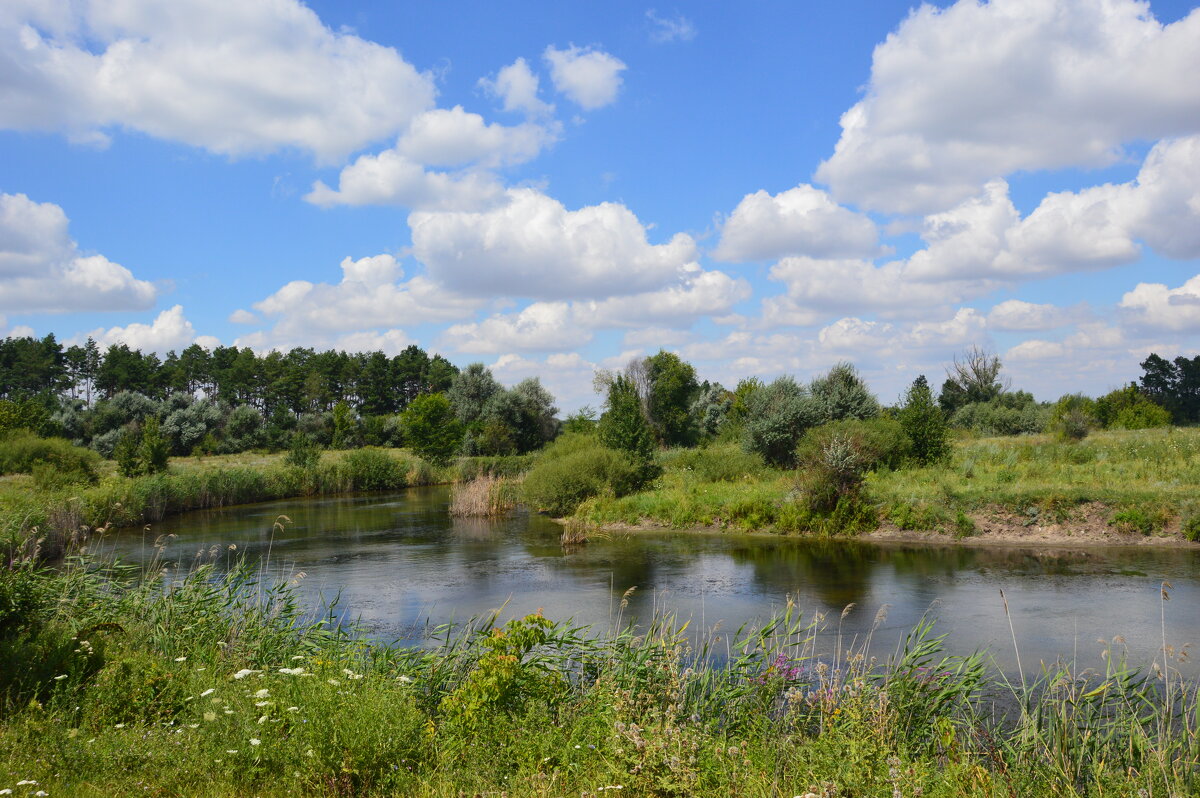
(398, 562)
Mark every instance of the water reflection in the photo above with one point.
(398, 561)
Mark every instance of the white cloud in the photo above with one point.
(670, 29)
(371, 295)
(43, 270)
(454, 137)
(517, 87)
(559, 326)
(800, 221)
(532, 246)
(1018, 315)
(242, 316)
(654, 338)
(587, 76)
(1155, 305)
(169, 330)
(390, 178)
(962, 95)
(237, 78)
(568, 377)
(540, 327)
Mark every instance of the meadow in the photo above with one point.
(1139, 483)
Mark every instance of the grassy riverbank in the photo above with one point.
(1139, 483)
(48, 519)
(216, 687)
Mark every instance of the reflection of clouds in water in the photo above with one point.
(398, 562)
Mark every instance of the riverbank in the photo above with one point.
(1114, 488)
(44, 523)
(221, 687)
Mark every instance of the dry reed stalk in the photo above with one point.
(574, 533)
(486, 496)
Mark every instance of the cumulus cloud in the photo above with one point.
(588, 77)
(1018, 315)
(532, 246)
(559, 326)
(669, 29)
(441, 137)
(43, 269)
(568, 377)
(1154, 305)
(232, 77)
(960, 95)
(801, 221)
(517, 88)
(169, 330)
(371, 295)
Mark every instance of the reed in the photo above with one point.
(486, 496)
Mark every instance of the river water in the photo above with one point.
(399, 562)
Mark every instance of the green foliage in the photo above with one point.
(879, 443)
(964, 527)
(672, 390)
(1130, 408)
(582, 420)
(303, 452)
(23, 594)
(345, 427)
(925, 424)
(1072, 417)
(1009, 414)
(470, 391)
(1142, 520)
(126, 451)
(717, 463)
(973, 378)
(711, 410)
(51, 460)
(623, 426)
(372, 469)
(23, 414)
(153, 449)
(577, 467)
(431, 428)
(1175, 385)
(777, 415)
(842, 394)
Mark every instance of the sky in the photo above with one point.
(553, 188)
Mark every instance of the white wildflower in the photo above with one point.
(181, 659)
(255, 741)
(263, 693)
(291, 671)
(244, 672)
(60, 677)
(208, 692)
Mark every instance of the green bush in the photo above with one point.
(1072, 417)
(1140, 520)
(1010, 414)
(577, 467)
(925, 424)
(1129, 408)
(879, 443)
(776, 417)
(717, 463)
(49, 459)
(303, 452)
(470, 468)
(22, 594)
(372, 469)
(431, 429)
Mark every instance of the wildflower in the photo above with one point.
(6, 791)
(23, 782)
(244, 672)
(406, 679)
(255, 741)
(41, 792)
(291, 671)
(334, 682)
(298, 656)
(60, 677)
(72, 734)
(231, 751)
(293, 709)
(210, 716)
(263, 693)
(119, 726)
(208, 692)
(262, 703)
(181, 659)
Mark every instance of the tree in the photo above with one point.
(1174, 385)
(431, 428)
(470, 391)
(842, 394)
(623, 426)
(711, 408)
(672, 390)
(777, 415)
(153, 450)
(973, 377)
(925, 424)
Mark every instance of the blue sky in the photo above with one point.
(552, 188)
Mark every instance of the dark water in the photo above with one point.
(398, 561)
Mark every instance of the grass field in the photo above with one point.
(1144, 480)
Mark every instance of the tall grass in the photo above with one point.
(485, 496)
(113, 684)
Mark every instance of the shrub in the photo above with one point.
(1140, 520)
(842, 394)
(153, 451)
(623, 425)
(577, 467)
(303, 452)
(22, 452)
(717, 463)
(431, 429)
(1072, 417)
(877, 443)
(776, 417)
(1011, 414)
(925, 424)
(373, 469)
(833, 469)
(22, 594)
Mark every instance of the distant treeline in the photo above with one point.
(232, 399)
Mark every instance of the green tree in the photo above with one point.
(431, 428)
(470, 392)
(925, 424)
(345, 427)
(623, 426)
(154, 449)
(973, 377)
(777, 415)
(842, 394)
(672, 390)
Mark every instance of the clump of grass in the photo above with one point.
(483, 497)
